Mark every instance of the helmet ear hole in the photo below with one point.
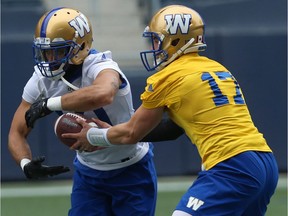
(82, 46)
(175, 42)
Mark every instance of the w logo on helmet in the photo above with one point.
(178, 21)
(80, 24)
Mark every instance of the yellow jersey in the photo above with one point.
(203, 97)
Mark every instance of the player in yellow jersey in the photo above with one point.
(239, 173)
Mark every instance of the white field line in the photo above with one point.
(65, 190)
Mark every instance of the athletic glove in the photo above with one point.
(35, 170)
(37, 110)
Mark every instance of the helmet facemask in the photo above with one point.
(156, 56)
(51, 57)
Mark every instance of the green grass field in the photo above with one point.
(52, 197)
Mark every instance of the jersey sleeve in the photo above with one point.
(31, 91)
(95, 63)
(154, 94)
(160, 91)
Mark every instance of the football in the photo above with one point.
(67, 123)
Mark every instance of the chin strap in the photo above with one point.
(69, 84)
(177, 54)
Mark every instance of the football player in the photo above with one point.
(239, 172)
(69, 75)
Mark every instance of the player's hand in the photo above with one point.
(37, 110)
(99, 136)
(101, 124)
(82, 144)
(35, 169)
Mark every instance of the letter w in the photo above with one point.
(80, 24)
(178, 22)
(194, 203)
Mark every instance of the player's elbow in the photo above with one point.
(108, 99)
(102, 99)
(106, 96)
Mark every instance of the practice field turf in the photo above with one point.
(52, 197)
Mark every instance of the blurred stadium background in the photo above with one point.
(248, 36)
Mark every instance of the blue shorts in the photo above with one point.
(241, 185)
(127, 191)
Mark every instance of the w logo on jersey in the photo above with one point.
(80, 24)
(178, 21)
(194, 203)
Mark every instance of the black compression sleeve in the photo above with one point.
(166, 130)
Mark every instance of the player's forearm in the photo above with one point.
(18, 147)
(106, 137)
(80, 100)
(122, 134)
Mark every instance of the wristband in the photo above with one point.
(54, 103)
(98, 137)
(23, 162)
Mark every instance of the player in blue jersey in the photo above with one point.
(70, 75)
(239, 172)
